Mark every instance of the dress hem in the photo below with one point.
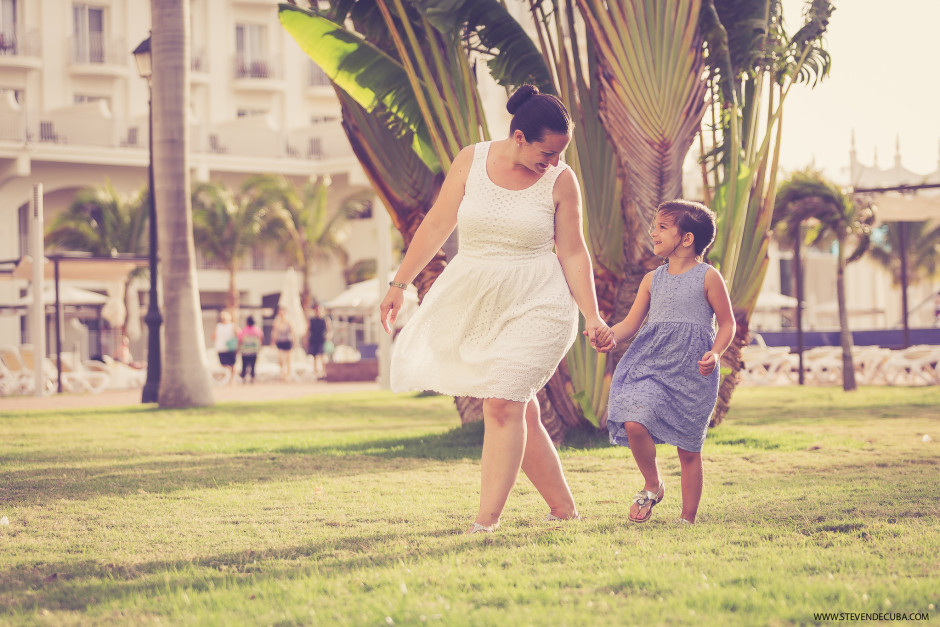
(618, 440)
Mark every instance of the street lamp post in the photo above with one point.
(153, 318)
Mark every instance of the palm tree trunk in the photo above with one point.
(231, 299)
(848, 364)
(798, 278)
(185, 383)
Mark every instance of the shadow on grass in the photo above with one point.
(82, 585)
(461, 443)
(96, 585)
(190, 472)
(123, 473)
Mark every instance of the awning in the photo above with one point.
(82, 267)
(895, 207)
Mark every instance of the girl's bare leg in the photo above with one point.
(543, 467)
(644, 453)
(504, 440)
(692, 482)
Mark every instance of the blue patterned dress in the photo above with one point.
(657, 383)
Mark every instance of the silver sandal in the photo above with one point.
(478, 528)
(652, 498)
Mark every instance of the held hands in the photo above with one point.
(708, 363)
(391, 307)
(601, 337)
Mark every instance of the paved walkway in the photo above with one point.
(252, 393)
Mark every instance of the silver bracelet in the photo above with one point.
(400, 286)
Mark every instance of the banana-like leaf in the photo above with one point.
(515, 60)
(404, 183)
(370, 77)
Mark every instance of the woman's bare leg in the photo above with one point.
(542, 465)
(692, 482)
(644, 453)
(504, 440)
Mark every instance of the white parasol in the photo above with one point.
(133, 313)
(114, 310)
(69, 294)
(289, 300)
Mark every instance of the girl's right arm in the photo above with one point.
(627, 328)
(434, 230)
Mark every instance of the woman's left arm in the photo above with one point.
(573, 253)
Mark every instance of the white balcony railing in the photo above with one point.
(15, 44)
(92, 124)
(94, 48)
(199, 61)
(256, 67)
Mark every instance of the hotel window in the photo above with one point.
(82, 98)
(17, 94)
(7, 26)
(251, 42)
(23, 230)
(88, 44)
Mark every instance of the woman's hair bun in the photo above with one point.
(520, 96)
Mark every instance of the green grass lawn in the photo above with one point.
(349, 509)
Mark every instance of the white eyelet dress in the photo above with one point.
(500, 316)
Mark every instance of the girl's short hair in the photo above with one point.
(534, 113)
(691, 217)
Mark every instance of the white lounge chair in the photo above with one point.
(765, 365)
(916, 365)
(77, 378)
(15, 377)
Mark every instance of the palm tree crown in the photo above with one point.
(102, 221)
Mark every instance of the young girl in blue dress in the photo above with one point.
(665, 387)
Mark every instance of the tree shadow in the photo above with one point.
(464, 442)
(79, 586)
(183, 472)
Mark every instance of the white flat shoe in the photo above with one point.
(478, 528)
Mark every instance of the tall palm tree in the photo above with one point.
(923, 251)
(102, 221)
(302, 221)
(807, 198)
(910, 251)
(186, 383)
(227, 225)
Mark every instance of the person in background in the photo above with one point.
(317, 335)
(250, 340)
(225, 338)
(282, 337)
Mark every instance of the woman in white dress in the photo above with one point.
(504, 312)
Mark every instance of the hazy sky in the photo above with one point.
(884, 84)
